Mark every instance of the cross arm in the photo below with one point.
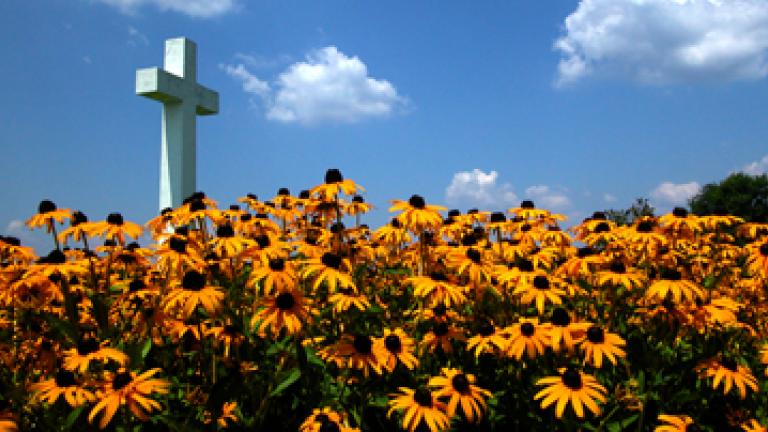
(163, 86)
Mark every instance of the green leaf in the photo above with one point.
(292, 377)
(72, 417)
(146, 348)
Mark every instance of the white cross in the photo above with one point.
(183, 99)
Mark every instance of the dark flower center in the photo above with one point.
(474, 255)
(225, 231)
(560, 317)
(193, 281)
(245, 217)
(596, 335)
(337, 228)
(196, 205)
(358, 199)
(644, 227)
(333, 175)
(331, 260)
(497, 217)
(671, 274)
(541, 282)
(55, 257)
(78, 217)
(321, 418)
(392, 342)
(285, 301)
(13, 241)
(423, 397)
(441, 329)
(680, 212)
(362, 344)
(469, 240)
(262, 240)
(618, 267)
(572, 378)
(438, 276)
(46, 206)
(598, 216)
(178, 245)
(454, 213)
(136, 285)
(277, 264)
(527, 204)
(395, 223)
(602, 227)
(87, 346)
(283, 191)
(182, 231)
(65, 378)
(328, 426)
(417, 201)
(460, 383)
(527, 329)
(115, 219)
(121, 380)
(585, 252)
(764, 249)
(525, 265)
(486, 328)
(439, 310)
(729, 364)
(231, 330)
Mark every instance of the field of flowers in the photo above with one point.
(289, 314)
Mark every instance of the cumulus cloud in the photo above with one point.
(757, 167)
(327, 87)
(479, 188)
(665, 41)
(192, 8)
(135, 37)
(677, 194)
(547, 197)
(251, 84)
(15, 227)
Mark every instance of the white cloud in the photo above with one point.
(193, 8)
(664, 41)
(609, 198)
(757, 167)
(135, 37)
(328, 87)
(251, 84)
(546, 197)
(678, 194)
(479, 188)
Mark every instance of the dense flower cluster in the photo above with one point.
(275, 315)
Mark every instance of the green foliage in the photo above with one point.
(739, 194)
(641, 207)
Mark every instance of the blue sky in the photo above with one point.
(581, 106)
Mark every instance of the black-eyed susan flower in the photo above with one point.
(437, 289)
(116, 228)
(472, 264)
(65, 384)
(618, 274)
(680, 222)
(527, 210)
(541, 289)
(330, 269)
(489, 339)
(675, 423)
(47, 215)
(441, 335)
(461, 392)
(325, 420)
(574, 387)
(277, 276)
(354, 352)
(564, 332)
(193, 292)
(729, 373)
(128, 388)
(89, 350)
(527, 337)
(226, 244)
(417, 215)
(600, 343)
(420, 406)
(757, 261)
(347, 298)
(334, 184)
(286, 310)
(672, 283)
(395, 347)
(78, 229)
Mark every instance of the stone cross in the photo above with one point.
(183, 100)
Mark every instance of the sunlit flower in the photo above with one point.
(571, 386)
(675, 423)
(421, 407)
(600, 343)
(416, 214)
(460, 390)
(128, 388)
(527, 337)
(395, 347)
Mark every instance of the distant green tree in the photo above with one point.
(739, 194)
(641, 207)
